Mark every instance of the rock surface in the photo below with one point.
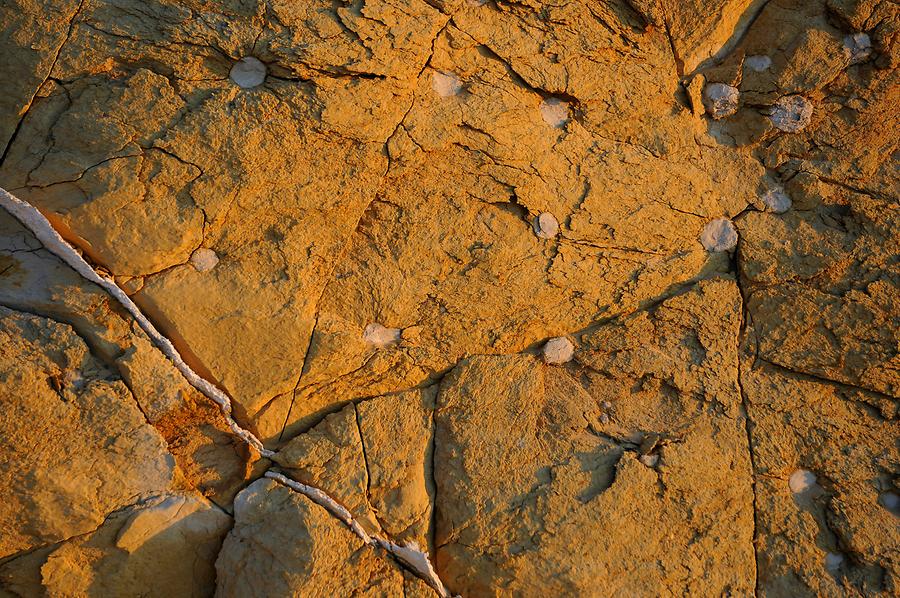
(581, 298)
(283, 544)
(164, 546)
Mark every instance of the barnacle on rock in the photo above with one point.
(446, 84)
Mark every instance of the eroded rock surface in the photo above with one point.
(82, 447)
(534, 490)
(283, 544)
(164, 546)
(581, 298)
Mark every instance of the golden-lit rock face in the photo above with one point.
(562, 294)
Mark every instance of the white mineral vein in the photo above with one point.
(37, 223)
(410, 555)
(33, 220)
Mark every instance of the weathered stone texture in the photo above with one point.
(590, 298)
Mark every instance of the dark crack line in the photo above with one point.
(37, 89)
(746, 318)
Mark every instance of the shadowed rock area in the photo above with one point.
(586, 298)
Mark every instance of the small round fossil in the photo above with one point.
(555, 112)
(248, 72)
(381, 336)
(545, 225)
(719, 235)
(558, 350)
(721, 100)
(791, 114)
(446, 84)
(204, 259)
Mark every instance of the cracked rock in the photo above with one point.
(317, 554)
(363, 164)
(165, 545)
(83, 450)
(497, 492)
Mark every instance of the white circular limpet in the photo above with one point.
(555, 112)
(381, 336)
(558, 350)
(248, 72)
(545, 225)
(204, 259)
(445, 84)
(719, 235)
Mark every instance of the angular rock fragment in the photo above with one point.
(166, 545)
(374, 458)
(208, 454)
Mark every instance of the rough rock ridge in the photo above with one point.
(587, 298)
